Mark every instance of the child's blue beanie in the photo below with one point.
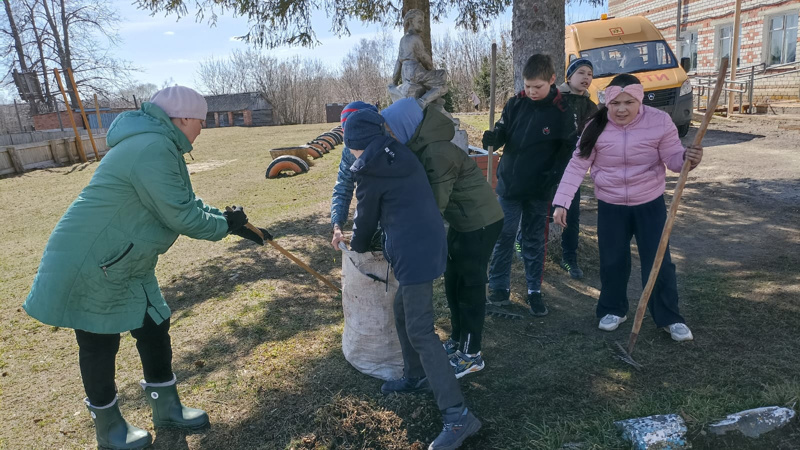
(403, 117)
(355, 106)
(361, 128)
(575, 64)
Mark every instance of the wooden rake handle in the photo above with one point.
(286, 253)
(673, 210)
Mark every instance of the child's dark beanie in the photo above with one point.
(361, 128)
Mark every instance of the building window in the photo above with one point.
(689, 48)
(725, 41)
(782, 39)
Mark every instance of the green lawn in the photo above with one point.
(257, 341)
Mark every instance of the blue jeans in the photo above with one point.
(569, 236)
(531, 216)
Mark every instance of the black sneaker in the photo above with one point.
(536, 304)
(573, 269)
(456, 430)
(405, 386)
(500, 297)
(450, 346)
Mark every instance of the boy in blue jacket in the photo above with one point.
(345, 181)
(393, 190)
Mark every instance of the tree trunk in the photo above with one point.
(20, 52)
(63, 54)
(537, 27)
(425, 7)
(39, 43)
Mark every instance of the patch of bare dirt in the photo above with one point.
(206, 165)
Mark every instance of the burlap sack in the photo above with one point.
(369, 340)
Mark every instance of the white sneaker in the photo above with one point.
(610, 322)
(679, 332)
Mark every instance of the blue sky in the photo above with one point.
(165, 48)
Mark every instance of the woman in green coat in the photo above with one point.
(97, 274)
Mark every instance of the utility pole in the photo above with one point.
(678, 29)
(97, 111)
(20, 80)
(16, 109)
(737, 22)
(58, 114)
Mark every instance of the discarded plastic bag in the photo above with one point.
(369, 340)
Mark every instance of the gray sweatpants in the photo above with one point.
(423, 353)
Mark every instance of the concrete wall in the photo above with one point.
(55, 152)
(775, 88)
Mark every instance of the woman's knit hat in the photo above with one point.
(181, 102)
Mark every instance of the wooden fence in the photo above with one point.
(40, 136)
(51, 153)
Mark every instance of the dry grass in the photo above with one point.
(257, 341)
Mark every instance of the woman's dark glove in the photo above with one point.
(236, 218)
(247, 233)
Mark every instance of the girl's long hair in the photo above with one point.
(599, 120)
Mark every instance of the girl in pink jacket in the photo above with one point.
(627, 146)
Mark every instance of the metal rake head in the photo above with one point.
(624, 356)
(502, 313)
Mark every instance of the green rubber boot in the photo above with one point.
(167, 409)
(113, 431)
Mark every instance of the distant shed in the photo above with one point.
(333, 112)
(247, 109)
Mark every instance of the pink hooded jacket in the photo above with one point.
(627, 162)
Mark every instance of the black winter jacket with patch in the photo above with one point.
(538, 138)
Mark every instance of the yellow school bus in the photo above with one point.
(633, 45)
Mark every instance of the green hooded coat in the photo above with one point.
(98, 269)
(465, 198)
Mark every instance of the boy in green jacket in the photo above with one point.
(469, 206)
(97, 273)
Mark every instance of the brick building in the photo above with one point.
(768, 40)
(49, 121)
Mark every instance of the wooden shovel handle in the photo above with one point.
(673, 210)
(286, 253)
(305, 266)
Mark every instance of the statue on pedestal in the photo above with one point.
(414, 67)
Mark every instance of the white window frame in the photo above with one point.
(768, 37)
(718, 41)
(686, 40)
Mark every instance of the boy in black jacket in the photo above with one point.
(537, 129)
(393, 190)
